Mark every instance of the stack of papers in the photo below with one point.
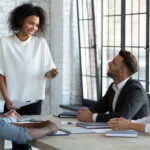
(75, 130)
(59, 133)
(127, 133)
(19, 104)
(92, 125)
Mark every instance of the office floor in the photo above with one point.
(8, 146)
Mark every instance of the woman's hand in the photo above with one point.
(9, 105)
(119, 124)
(52, 73)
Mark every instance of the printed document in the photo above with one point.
(19, 104)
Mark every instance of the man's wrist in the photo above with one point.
(130, 125)
(10, 119)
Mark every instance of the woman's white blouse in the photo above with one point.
(146, 121)
(24, 64)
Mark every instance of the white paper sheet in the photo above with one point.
(100, 130)
(19, 104)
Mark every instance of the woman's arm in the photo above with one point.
(137, 126)
(123, 124)
(33, 124)
(3, 89)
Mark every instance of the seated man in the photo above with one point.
(21, 135)
(125, 97)
(142, 125)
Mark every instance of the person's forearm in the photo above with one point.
(9, 119)
(38, 133)
(16, 134)
(3, 87)
(50, 128)
(32, 125)
(137, 127)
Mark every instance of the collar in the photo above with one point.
(120, 85)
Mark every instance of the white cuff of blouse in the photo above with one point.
(147, 125)
(147, 128)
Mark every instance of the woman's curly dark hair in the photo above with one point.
(21, 12)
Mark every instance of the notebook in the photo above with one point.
(126, 133)
(68, 115)
(92, 125)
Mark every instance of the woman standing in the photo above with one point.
(25, 61)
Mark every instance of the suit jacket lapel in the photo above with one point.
(119, 101)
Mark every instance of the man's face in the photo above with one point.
(115, 67)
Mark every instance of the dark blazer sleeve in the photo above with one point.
(132, 103)
(103, 104)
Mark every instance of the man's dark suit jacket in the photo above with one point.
(132, 103)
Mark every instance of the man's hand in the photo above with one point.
(44, 128)
(52, 73)
(53, 128)
(13, 114)
(119, 124)
(85, 115)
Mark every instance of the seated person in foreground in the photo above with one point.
(142, 125)
(125, 97)
(21, 135)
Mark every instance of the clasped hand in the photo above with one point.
(84, 114)
(13, 114)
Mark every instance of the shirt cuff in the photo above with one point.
(28, 137)
(133, 121)
(2, 72)
(10, 119)
(147, 128)
(94, 116)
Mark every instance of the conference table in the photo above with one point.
(88, 141)
(91, 141)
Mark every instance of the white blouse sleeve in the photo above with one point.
(1, 60)
(142, 120)
(147, 128)
(49, 60)
(146, 121)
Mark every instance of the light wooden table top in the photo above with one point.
(93, 141)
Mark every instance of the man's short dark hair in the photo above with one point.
(130, 61)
